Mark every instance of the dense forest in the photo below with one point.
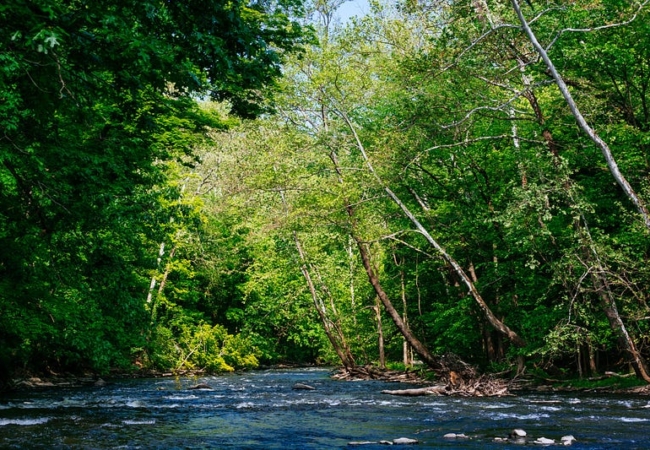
(214, 185)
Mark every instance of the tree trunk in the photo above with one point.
(380, 337)
(488, 344)
(406, 349)
(599, 281)
(418, 347)
(617, 325)
(582, 123)
(593, 366)
(604, 292)
(489, 315)
(338, 344)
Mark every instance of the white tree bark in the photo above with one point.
(582, 122)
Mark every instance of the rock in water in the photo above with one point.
(455, 436)
(518, 433)
(404, 441)
(201, 386)
(303, 387)
(544, 441)
(567, 440)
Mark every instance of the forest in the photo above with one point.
(214, 185)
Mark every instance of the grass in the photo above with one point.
(613, 382)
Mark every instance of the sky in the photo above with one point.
(352, 8)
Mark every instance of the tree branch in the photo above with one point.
(582, 123)
(602, 27)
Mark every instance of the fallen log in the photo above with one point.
(480, 387)
(429, 390)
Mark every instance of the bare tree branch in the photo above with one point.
(602, 27)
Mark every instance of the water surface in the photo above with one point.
(260, 410)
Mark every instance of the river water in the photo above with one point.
(260, 410)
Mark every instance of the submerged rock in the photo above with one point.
(303, 387)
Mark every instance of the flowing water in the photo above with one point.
(260, 410)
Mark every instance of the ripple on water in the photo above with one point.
(139, 422)
(550, 408)
(136, 404)
(498, 406)
(181, 397)
(24, 422)
(633, 419)
(504, 416)
(245, 405)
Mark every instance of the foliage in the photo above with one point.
(139, 224)
(464, 125)
(203, 347)
(98, 99)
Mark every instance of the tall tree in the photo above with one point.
(95, 96)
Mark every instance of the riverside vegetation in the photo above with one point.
(211, 186)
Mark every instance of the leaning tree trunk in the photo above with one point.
(489, 315)
(333, 332)
(339, 344)
(608, 303)
(616, 323)
(418, 346)
(602, 145)
(598, 279)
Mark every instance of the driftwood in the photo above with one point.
(483, 386)
(373, 373)
(462, 382)
(429, 390)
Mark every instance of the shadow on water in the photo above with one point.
(260, 410)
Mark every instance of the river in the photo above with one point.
(260, 410)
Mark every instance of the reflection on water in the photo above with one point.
(260, 410)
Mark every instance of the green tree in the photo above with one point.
(96, 97)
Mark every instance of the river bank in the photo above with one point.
(608, 384)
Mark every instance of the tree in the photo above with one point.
(97, 96)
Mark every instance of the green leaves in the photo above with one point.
(97, 102)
